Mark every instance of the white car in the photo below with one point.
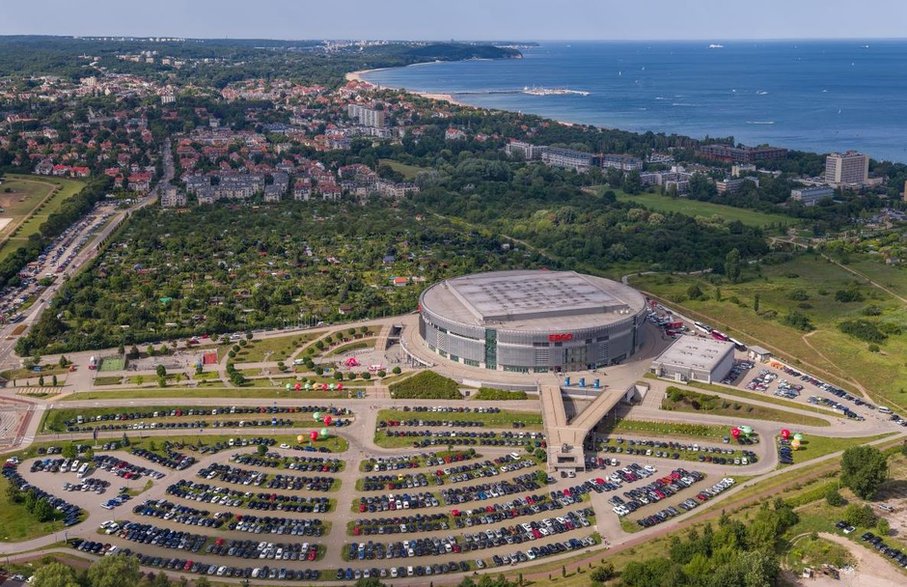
(649, 468)
(284, 446)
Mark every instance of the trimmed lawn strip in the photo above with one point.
(505, 418)
(684, 400)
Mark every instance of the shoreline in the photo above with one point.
(357, 76)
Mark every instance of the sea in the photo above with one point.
(817, 96)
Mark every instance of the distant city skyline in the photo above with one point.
(717, 20)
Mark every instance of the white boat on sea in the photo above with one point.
(716, 46)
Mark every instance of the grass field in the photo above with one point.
(212, 392)
(409, 171)
(810, 285)
(108, 380)
(16, 524)
(29, 204)
(665, 429)
(504, 419)
(707, 209)
(368, 343)
(54, 419)
(813, 447)
(683, 400)
(278, 348)
(112, 364)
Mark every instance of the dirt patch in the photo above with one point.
(19, 329)
(870, 569)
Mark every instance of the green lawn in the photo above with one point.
(108, 380)
(667, 429)
(335, 444)
(54, 419)
(684, 400)
(16, 523)
(212, 392)
(707, 209)
(278, 348)
(504, 419)
(813, 447)
(368, 343)
(35, 209)
(409, 171)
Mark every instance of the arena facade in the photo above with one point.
(532, 321)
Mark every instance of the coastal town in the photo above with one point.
(401, 340)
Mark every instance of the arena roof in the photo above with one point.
(694, 352)
(533, 300)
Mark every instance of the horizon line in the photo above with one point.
(455, 40)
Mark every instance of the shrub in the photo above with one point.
(848, 295)
(862, 329)
(426, 385)
(490, 394)
(798, 320)
(834, 498)
(798, 295)
(860, 515)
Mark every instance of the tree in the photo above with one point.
(396, 371)
(863, 470)
(41, 381)
(54, 381)
(161, 371)
(262, 450)
(883, 527)
(202, 582)
(44, 511)
(694, 293)
(114, 571)
(732, 265)
(860, 515)
(833, 497)
(756, 303)
(54, 574)
(69, 451)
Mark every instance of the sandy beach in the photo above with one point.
(357, 76)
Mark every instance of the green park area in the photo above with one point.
(814, 314)
(696, 208)
(409, 172)
(28, 201)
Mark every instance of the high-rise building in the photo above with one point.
(370, 117)
(850, 168)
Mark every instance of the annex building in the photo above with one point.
(693, 358)
(532, 321)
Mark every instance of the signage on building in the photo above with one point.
(560, 337)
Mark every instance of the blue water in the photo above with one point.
(813, 95)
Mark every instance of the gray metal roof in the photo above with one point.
(694, 352)
(533, 300)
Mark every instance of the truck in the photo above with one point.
(93, 363)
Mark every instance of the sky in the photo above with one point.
(461, 19)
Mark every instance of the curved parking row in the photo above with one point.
(436, 459)
(213, 494)
(275, 460)
(460, 495)
(239, 476)
(199, 568)
(687, 504)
